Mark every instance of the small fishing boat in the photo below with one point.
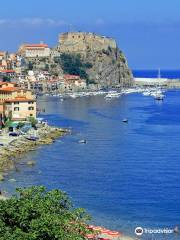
(84, 141)
(125, 120)
(159, 97)
(32, 138)
(112, 94)
(147, 93)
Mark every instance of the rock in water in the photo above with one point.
(106, 64)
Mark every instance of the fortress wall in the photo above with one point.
(81, 41)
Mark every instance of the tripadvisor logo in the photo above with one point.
(139, 231)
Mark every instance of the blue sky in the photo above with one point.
(147, 31)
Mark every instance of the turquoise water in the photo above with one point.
(127, 174)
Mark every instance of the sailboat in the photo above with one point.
(158, 95)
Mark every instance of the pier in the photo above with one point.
(154, 82)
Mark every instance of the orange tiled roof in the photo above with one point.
(8, 71)
(4, 83)
(2, 53)
(9, 89)
(68, 76)
(35, 45)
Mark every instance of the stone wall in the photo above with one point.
(83, 42)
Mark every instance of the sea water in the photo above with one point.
(170, 74)
(128, 174)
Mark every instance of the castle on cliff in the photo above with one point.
(84, 42)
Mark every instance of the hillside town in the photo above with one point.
(79, 62)
(25, 74)
(28, 69)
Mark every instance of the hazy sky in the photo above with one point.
(148, 31)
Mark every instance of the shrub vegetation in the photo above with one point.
(36, 214)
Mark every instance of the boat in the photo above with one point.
(112, 94)
(32, 138)
(84, 141)
(158, 94)
(159, 97)
(74, 95)
(125, 120)
(147, 93)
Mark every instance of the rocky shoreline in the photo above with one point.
(10, 154)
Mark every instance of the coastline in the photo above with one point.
(22, 145)
(11, 152)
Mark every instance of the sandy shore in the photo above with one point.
(13, 147)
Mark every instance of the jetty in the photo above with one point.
(154, 82)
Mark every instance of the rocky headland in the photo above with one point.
(103, 63)
(109, 66)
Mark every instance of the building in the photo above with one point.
(34, 50)
(74, 82)
(82, 42)
(16, 103)
(7, 72)
(20, 108)
(3, 58)
(3, 54)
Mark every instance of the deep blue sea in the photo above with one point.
(171, 74)
(127, 175)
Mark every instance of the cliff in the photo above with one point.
(109, 67)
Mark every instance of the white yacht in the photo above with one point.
(112, 94)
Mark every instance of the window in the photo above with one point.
(30, 102)
(16, 102)
(30, 115)
(16, 109)
(30, 108)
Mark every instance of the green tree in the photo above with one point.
(73, 64)
(36, 214)
(6, 79)
(33, 121)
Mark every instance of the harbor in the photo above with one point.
(116, 157)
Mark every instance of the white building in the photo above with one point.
(34, 50)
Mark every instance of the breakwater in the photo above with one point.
(152, 82)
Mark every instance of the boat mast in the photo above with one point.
(159, 76)
(159, 73)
